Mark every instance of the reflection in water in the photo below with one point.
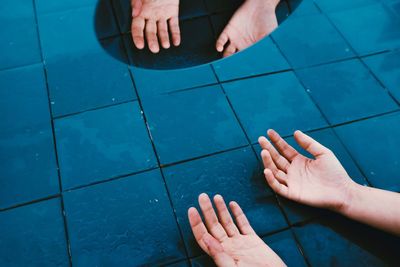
(199, 30)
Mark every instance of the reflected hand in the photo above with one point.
(154, 19)
(320, 182)
(229, 244)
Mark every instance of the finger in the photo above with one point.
(137, 29)
(151, 36)
(136, 7)
(225, 217)
(175, 31)
(268, 162)
(282, 163)
(230, 50)
(283, 147)
(241, 219)
(222, 40)
(309, 144)
(216, 252)
(163, 33)
(198, 228)
(211, 218)
(279, 188)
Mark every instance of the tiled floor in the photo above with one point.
(99, 159)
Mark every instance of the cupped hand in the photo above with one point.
(227, 242)
(155, 20)
(320, 182)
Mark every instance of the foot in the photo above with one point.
(228, 242)
(154, 20)
(254, 20)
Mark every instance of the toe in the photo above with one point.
(222, 40)
(137, 29)
(163, 33)
(230, 50)
(151, 36)
(175, 31)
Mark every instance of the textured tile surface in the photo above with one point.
(28, 167)
(276, 101)
(346, 91)
(192, 123)
(236, 175)
(118, 223)
(102, 144)
(33, 236)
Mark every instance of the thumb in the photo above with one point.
(309, 144)
(216, 251)
(136, 7)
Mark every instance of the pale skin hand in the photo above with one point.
(254, 20)
(227, 242)
(155, 20)
(323, 182)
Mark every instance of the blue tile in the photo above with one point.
(101, 144)
(285, 246)
(81, 75)
(387, 69)
(184, 263)
(118, 223)
(236, 175)
(33, 235)
(191, 9)
(19, 44)
(346, 91)
(303, 8)
(50, 6)
(338, 242)
(263, 57)
(197, 47)
(317, 43)
(202, 261)
(27, 159)
(276, 101)
(123, 13)
(374, 30)
(155, 82)
(192, 123)
(376, 136)
(328, 6)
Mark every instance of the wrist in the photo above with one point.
(351, 193)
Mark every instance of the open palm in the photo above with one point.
(229, 244)
(155, 19)
(320, 182)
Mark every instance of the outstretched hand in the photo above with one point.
(227, 242)
(320, 182)
(155, 20)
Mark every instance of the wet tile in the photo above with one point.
(18, 33)
(328, 6)
(214, 6)
(236, 175)
(263, 57)
(33, 235)
(27, 159)
(50, 6)
(184, 263)
(197, 47)
(118, 223)
(346, 91)
(155, 82)
(303, 8)
(317, 43)
(374, 30)
(369, 138)
(202, 261)
(102, 144)
(285, 246)
(123, 14)
(387, 69)
(276, 101)
(337, 242)
(192, 123)
(81, 74)
(191, 9)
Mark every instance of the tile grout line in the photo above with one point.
(63, 213)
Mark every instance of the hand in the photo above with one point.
(320, 182)
(229, 244)
(153, 18)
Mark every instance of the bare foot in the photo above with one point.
(152, 19)
(251, 22)
(230, 243)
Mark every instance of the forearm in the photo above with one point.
(375, 207)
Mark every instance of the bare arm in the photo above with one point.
(323, 182)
